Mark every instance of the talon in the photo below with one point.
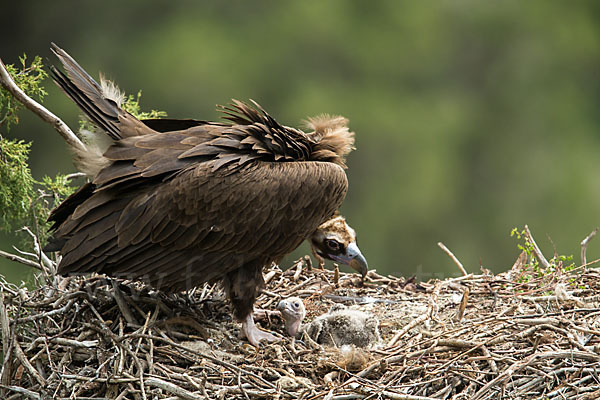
(256, 335)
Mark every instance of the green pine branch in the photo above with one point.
(25, 201)
(29, 79)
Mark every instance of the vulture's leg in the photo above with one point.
(242, 286)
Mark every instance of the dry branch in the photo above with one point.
(536, 249)
(173, 389)
(9, 84)
(453, 257)
(21, 260)
(584, 245)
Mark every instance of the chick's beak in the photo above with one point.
(356, 260)
(282, 305)
(286, 309)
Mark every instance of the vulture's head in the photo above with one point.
(335, 240)
(293, 312)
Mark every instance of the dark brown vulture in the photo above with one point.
(176, 203)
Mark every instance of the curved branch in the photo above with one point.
(9, 84)
(453, 257)
(22, 260)
(584, 245)
(536, 249)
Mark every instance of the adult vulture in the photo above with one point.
(177, 203)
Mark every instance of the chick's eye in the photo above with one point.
(296, 305)
(332, 244)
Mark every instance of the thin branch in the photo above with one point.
(408, 327)
(75, 175)
(9, 84)
(536, 249)
(14, 257)
(584, 245)
(42, 257)
(25, 363)
(173, 389)
(122, 304)
(7, 343)
(399, 396)
(453, 257)
(27, 393)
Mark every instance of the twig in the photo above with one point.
(27, 393)
(173, 389)
(460, 312)
(240, 386)
(453, 257)
(491, 362)
(408, 327)
(298, 268)
(85, 344)
(45, 262)
(584, 245)
(25, 261)
(7, 342)
(9, 84)
(398, 396)
(536, 249)
(75, 175)
(47, 314)
(25, 363)
(122, 303)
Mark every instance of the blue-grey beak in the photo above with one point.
(358, 262)
(354, 258)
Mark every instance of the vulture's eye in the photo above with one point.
(296, 304)
(333, 245)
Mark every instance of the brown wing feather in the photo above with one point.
(195, 234)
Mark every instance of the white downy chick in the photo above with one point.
(340, 326)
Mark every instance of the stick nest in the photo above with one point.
(483, 336)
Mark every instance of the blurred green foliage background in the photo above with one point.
(471, 117)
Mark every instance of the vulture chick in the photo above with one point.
(340, 326)
(177, 203)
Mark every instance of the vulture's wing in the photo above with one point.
(180, 208)
(198, 200)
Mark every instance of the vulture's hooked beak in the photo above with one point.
(354, 258)
(358, 262)
(336, 240)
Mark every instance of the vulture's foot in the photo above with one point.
(254, 334)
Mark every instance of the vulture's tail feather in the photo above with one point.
(101, 104)
(102, 110)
